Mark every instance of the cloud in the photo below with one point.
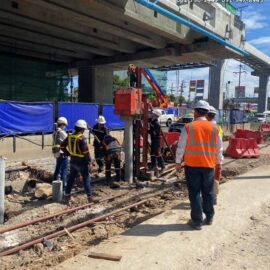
(261, 41)
(254, 20)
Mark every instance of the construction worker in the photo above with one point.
(154, 131)
(112, 155)
(201, 149)
(99, 130)
(59, 136)
(211, 117)
(76, 146)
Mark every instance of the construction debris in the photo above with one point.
(105, 256)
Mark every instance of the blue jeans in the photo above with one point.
(75, 169)
(61, 169)
(200, 183)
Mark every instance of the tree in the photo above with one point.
(172, 98)
(118, 83)
(181, 100)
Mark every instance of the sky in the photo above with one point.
(257, 20)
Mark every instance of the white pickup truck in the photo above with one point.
(165, 118)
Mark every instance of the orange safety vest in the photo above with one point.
(201, 148)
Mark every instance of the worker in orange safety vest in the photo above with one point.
(200, 148)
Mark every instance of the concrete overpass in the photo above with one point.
(98, 36)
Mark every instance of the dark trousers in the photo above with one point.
(61, 169)
(156, 157)
(114, 158)
(200, 188)
(99, 156)
(75, 169)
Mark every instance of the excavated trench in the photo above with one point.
(23, 206)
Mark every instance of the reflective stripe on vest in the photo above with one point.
(193, 143)
(73, 151)
(201, 147)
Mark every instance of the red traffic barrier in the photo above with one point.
(171, 138)
(265, 128)
(242, 148)
(249, 134)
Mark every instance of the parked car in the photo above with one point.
(261, 118)
(165, 118)
(176, 127)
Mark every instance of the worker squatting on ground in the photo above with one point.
(99, 130)
(61, 159)
(201, 148)
(75, 145)
(211, 117)
(154, 131)
(112, 155)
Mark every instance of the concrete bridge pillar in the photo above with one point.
(96, 85)
(263, 92)
(216, 79)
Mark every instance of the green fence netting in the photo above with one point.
(32, 80)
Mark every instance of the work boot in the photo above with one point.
(208, 221)
(161, 162)
(194, 225)
(153, 165)
(115, 184)
(66, 199)
(91, 199)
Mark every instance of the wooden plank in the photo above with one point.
(105, 256)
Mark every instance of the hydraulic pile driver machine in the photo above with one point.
(134, 109)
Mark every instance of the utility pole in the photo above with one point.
(239, 78)
(181, 92)
(177, 82)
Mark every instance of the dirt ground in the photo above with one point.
(249, 250)
(23, 207)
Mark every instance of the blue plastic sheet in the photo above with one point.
(236, 117)
(173, 111)
(76, 111)
(113, 121)
(17, 117)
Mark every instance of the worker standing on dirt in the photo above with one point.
(59, 136)
(75, 145)
(99, 130)
(155, 130)
(211, 117)
(201, 149)
(112, 155)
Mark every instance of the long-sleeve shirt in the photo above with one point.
(59, 136)
(180, 151)
(100, 133)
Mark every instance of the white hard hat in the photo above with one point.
(157, 113)
(62, 120)
(101, 120)
(202, 104)
(212, 110)
(81, 124)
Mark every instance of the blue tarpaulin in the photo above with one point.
(237, 117)
(173, 111)
(76, 111)
(113, 121)
(17, 117)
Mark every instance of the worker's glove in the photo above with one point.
(90, 167)
(218, 172)
(178, 167)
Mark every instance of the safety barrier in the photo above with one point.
(265, 128)
(242, 148)
(249, 134)
(171, 138)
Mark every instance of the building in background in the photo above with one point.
(199, 90)
(240, 91)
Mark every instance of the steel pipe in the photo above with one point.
(70, 229)
(61, 213)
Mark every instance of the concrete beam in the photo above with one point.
(96, 85)
(35, 18)
(4, 48)
(102, 25)
(263, 93)
(12, 31)
(37, 46)
(216, 79)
